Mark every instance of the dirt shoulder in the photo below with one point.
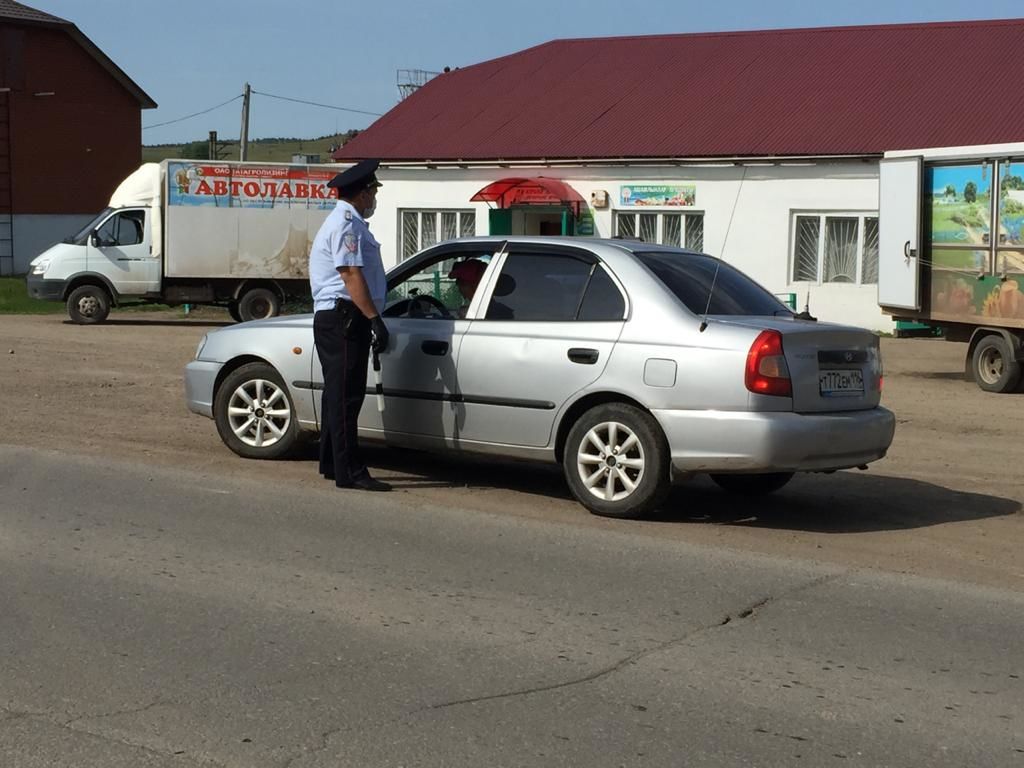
(946, 502)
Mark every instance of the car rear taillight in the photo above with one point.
(767, 372)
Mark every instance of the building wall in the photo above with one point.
(748, 213)
(34, 234)
(69, 150)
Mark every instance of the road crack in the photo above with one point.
(10, 715)
(731, 618)
(118, 713)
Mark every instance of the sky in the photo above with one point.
(192, 55)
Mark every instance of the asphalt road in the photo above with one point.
(168, 616)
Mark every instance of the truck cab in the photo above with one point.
(107, 261)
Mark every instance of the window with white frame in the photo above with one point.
(835, 248)
(422, 229)
(678, 229)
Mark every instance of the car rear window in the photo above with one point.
(690, 276)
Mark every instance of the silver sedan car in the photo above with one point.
(632, 365)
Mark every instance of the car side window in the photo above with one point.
(536, 286)
(441, 289)
(603, 300)
(125, 228)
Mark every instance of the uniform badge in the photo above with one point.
(351, 242)
(348, 215)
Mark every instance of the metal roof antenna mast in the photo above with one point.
(411, 80)
(718, 263)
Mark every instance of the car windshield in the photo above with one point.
(80, 236)
(690, 276)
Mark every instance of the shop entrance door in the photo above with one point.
(531, 220)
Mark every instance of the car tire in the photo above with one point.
(233, 311)
(258, 304)
(600, 478)
(254, 413)
(752, 485)
(88, 305)
(993, 365)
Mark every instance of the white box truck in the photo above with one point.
(193, 232)
(951, 251)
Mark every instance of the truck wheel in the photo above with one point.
(616, 461)
(233, 311)
(88, 305)
(752, 485)
(258, 304)
(254, 414)
(993, 365)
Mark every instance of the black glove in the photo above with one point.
(379, 342)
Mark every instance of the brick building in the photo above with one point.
(70, 131)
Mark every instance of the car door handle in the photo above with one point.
(439, 348)
(583, 355)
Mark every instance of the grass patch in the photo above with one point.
(14, 300)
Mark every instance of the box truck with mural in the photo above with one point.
(951, 251)
(185, 232)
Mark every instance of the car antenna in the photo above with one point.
(806, 314)
(718, 262)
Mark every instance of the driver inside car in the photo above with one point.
(466, 275)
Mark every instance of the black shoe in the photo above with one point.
(366, 483)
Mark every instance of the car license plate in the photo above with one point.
(841, 383)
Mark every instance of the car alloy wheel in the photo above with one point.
(259, 413)
(616, 461)
(610, 462)
(254, 413)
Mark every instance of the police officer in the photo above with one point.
(346, 275)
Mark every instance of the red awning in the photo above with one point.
(536, 190)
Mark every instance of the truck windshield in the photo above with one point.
(689, 276)
(80, 237)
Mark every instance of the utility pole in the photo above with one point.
(243, 149)
(212, 154)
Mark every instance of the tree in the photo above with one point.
(970, 192)
(1009, 182)
(950, 190)
(196, 150)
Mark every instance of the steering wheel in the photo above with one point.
(420, 305)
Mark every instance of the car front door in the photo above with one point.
(546, 328)
(423, 314)
(119, 249)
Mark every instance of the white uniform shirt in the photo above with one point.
(344, 240)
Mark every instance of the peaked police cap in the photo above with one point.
(357, 178)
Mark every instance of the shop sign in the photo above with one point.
(670, 195)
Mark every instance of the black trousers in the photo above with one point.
(342, 338)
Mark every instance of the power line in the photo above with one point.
(315, 104)
(194, 114)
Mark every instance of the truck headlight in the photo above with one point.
(39, 266)
(199, 349)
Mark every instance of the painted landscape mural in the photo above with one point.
(973, 277)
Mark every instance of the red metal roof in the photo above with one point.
(794, 92)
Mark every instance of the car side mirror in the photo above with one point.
(94, 238)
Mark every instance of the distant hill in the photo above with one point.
(277, 150)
